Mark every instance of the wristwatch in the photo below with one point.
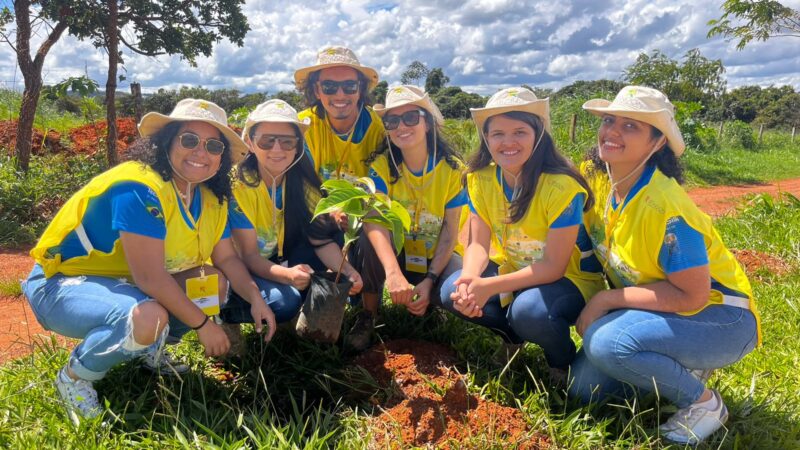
(432, 276)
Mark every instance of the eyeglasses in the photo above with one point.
(330, 87)
(286, 143)
(409, 118)
(189, 141)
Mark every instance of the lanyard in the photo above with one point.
(348, 146)
(195, 225)
(416, 191)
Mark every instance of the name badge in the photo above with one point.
(204, 293)
(416, 256)
(505, 297)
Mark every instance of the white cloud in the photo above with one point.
(481, 44)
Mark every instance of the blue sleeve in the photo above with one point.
(683, 247)
(572, 214)
(135, 208)
(236, 217)
(460, 199)
(380, 183)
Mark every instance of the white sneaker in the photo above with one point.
(163, 363)
(696, 422)
(79, 395)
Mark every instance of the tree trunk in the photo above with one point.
(112, 45)
(31, 69)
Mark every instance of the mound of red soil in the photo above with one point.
(434, 407)
(754, 261)
(86, 139)
(39, 141)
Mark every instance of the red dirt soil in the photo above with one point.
(434, 408)
(51, 143)
(721, 200)
(86, 139)
(19, 330)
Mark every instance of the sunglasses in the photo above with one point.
(189, 141)
(267, 142)
(409, 118)
(330, 87)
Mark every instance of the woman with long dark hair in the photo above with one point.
(419, 169)
(680, 304)
(275, 192)
(525, 273)
(124, 264)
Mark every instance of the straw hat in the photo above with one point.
(513, 99)
(194, 110)
(332, 57)
(274, 110)
(646, 105)
(409, 95)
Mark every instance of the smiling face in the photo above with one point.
(626, 142)
(194, 164)
(510, 142)
(276, 159)
(409, 138)
(339, 106)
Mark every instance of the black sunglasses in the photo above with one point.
(330, 87)
(189, 141)
(410, 118)
(267, 142)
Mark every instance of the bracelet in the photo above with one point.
(202, 324)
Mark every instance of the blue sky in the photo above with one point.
(482, 45)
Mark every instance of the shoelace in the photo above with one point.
(686, 418)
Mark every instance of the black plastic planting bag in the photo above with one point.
(323, 310)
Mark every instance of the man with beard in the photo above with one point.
(344, 130)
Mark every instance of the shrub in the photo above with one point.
(738, 134)
(696, 134)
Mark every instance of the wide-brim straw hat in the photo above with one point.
(332, 57)
(409, 95)
(646, 105)
(195, 110)
(274, 110)
(513, 99)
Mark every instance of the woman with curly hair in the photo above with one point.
(679, 304)
(527, 273)
(127, 261)
(419, 169)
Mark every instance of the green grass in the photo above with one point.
(291, 394)
(48, 116)
(10, 288)
(778, 159)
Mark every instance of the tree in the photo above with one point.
(763, 19)
(30, 19)
(188, 28)
(414, 72)
(696, 79)
(435, 81)
(378, 94)
(454, 103)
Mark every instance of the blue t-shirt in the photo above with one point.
(126, 206)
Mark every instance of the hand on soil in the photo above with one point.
(262, 314)
(213, 339)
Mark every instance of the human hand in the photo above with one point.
(341, 219)
(399, 289)
(262, 313)
(213, 339)
(358, 283)
(300, 276)
(593, 310)
(461, 298)
(421, 297)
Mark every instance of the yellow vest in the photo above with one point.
(334, 157)
(424, 196)
(184, 246)
(257, 205)
(636, 235)
(525, 240)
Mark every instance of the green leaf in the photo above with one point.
(337, 199)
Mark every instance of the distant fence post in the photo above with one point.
(760, 133)
(721, 126)
(572, 126)
(136, 91)
(794, 128)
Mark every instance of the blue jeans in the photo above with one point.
(540, 314)
(649, 350)
(284, 301)
(95, 309)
